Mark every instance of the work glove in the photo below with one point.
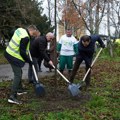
(103, 46)
(31, 63)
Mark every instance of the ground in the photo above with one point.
(57, 96)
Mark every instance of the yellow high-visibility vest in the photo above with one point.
(14, 45)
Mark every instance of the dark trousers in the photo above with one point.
(16, 85)
(39, 63)
(76, 67)
(31, 76)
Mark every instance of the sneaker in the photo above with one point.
(14, 101)
(31, 82)
(21, 92)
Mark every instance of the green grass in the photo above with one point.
(2, 58)
(103, 105)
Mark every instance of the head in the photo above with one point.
(32, 30)
(49, 36)
(37, 34)
(85, 40)
(68, 32)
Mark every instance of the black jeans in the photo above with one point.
(39, 60)
(31, 76)
(76, 67)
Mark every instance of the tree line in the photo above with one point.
(15, 13)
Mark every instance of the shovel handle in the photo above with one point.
(33, 67)
(92, 64)
(61, 75)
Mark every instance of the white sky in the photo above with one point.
(103, 29)
(45, 7)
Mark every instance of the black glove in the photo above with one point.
(103, 46)
(31, 63)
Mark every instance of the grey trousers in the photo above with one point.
(16, 84)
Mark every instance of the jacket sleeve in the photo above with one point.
(100, 41)
(23, 46)
(42, 50)
(59, 47)
(76, 48)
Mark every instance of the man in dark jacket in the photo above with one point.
(17, 54)
(86, 48)
(38, 50)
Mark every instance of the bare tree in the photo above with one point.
(91, 12)
(115, 17)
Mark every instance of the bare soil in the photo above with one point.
(57, 96)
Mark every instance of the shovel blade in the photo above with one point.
(39, 89)
(73, 88)
(81, 85)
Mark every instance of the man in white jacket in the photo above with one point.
(67, 47)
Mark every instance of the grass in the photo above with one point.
(2, 58)
(104, 102)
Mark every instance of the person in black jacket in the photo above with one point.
(86, 48)
(17, 54)
(38, 50)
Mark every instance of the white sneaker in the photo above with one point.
(21, 92)
(14, 101)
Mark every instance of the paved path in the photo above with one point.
(7, 74)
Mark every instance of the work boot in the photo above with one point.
(40, 70)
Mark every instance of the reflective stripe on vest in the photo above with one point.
(14, 45)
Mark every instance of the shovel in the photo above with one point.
(39, 89)
(81, 84)
(73, 88)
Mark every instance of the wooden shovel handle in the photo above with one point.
(61, 75)
(92, 64)
(33, 67)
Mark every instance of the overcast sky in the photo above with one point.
(45, 7)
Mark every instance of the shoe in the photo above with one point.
(40, 70)
(21, 92)
(31, 82)
(14, 101)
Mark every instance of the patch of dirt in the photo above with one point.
(58, 98)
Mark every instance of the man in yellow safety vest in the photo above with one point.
(17, 54)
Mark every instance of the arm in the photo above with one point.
(59, 47)
(23, 46)
(42, 49)
(76, 48)
(52, 46)
(100, 42)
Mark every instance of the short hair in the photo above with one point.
(50, 34)
(32, 27)
(85, 38)
(68, 29)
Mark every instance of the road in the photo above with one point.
(7, 74)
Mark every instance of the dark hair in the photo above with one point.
(85, 38)
(68, 29)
